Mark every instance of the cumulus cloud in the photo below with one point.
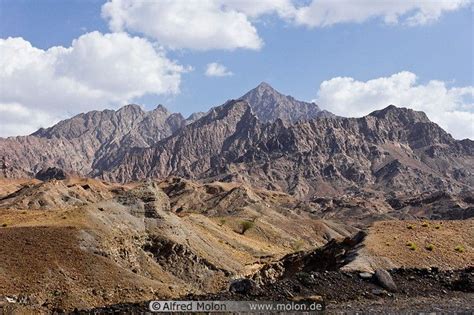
(255, 9)
(230, 24)
(215, 69)
(320, 13)
(450, 107)
(196, 24)
(96, 71)
(16, 119)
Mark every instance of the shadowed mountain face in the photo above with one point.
(270, 105)
(393, 150)
(265, 139)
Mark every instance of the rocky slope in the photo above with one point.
(394, 150)
(104, 243)
(77, 144)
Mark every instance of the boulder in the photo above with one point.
(384, 279)
(242, 286)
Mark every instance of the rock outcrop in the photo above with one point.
(51, 173)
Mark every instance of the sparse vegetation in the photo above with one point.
(429, 247)
(298, 245)
(460, 249)
(245, 226)
(411, 245)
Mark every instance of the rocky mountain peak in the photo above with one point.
(131, 109)
(265, 87)
(403, 114)
(162, 109)
(195, 116)
(269, 105)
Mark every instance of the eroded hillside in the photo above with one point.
(84, 243)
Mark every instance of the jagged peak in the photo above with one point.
(392, 111)
(130, 108)
(233, 105)
(263, 87)
(195, 115)
(161, 108)
(230, 108)
(268, 104)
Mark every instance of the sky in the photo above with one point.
(60, 58)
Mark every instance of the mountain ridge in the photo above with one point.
(376, 151)
(308, 153)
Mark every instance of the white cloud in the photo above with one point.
(16, 119)
(215, 69)
(320, 13)
(255, 9)
(451, 108)
(196, 24)
(96, 71)
(230, 24)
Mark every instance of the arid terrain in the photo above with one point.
(262, 198)
(85, 243)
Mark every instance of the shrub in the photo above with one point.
(297, 245)
(4, 225)
(410, 226)
(425, 224)
(460, 249)
(222, 222)
(387, 244)
(246, 225)
(429, 247)
(437, 226)
(411, 245)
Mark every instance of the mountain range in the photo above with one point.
(262, 198)
(264, 138)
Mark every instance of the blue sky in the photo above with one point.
(363, 56)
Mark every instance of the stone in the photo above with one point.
(384, 279)
(365, 275)
(378, 291)
(242, 286)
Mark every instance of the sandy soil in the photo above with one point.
(390, 239)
